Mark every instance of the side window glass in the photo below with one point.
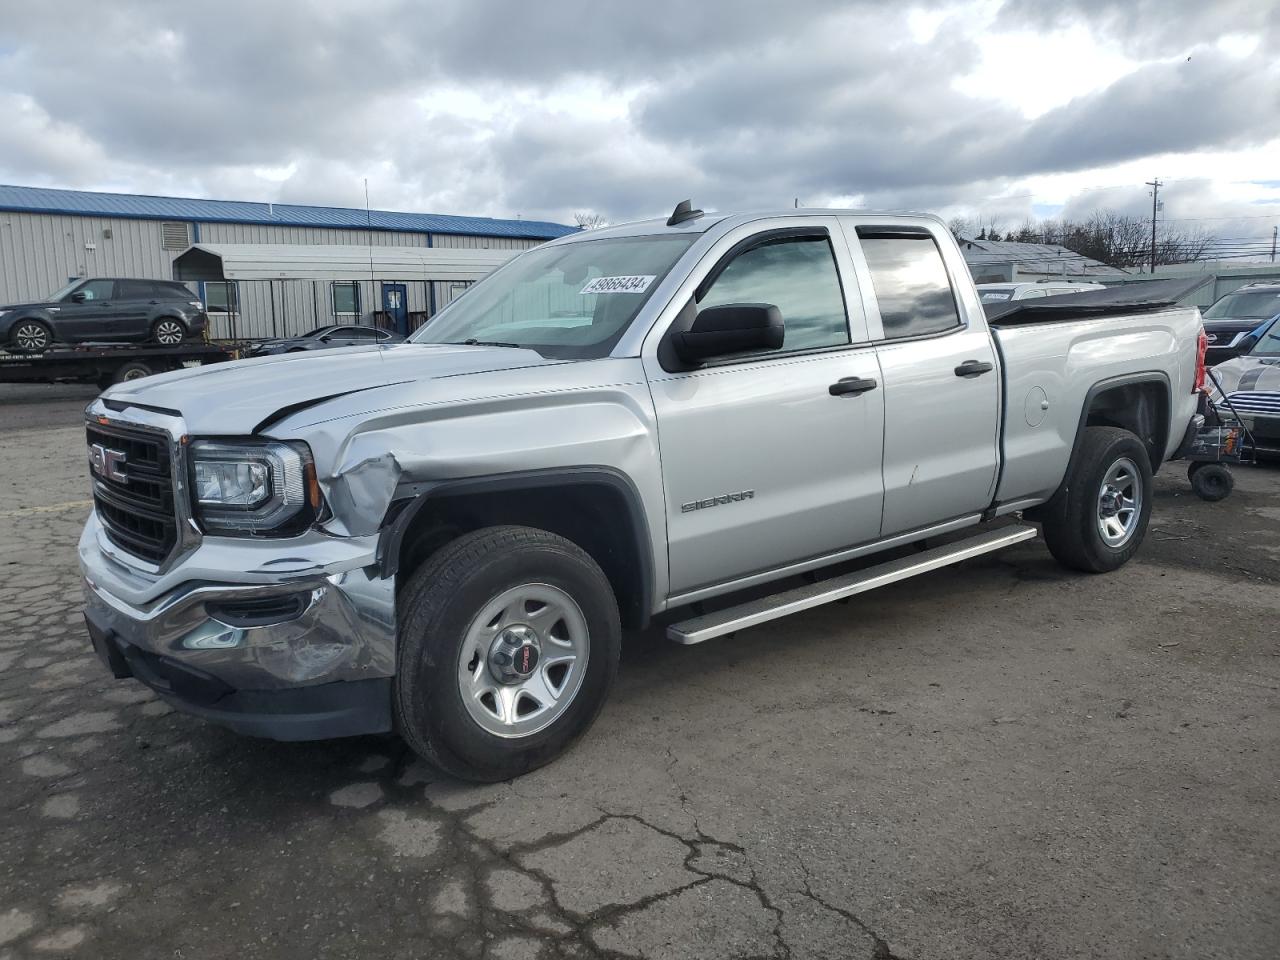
(96, 290)
(134, 290)
(798, 276)
(911, 284)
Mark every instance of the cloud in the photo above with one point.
(541, 109)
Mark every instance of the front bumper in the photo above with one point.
(304, 653)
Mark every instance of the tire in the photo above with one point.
(1211, 481)
(444, 616)
(133, 370)
(31, 336)
(1107, 460)
(168, 332)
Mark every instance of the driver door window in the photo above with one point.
(94, 290)
(798, 276)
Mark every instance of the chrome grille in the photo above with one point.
(1260, 401)
(137, 510)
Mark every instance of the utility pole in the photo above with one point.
(1155, 193)
(1274, 231)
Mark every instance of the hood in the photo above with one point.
(1247, 375)
(34, 305)
(237, 398)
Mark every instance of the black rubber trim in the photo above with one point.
(764, 238)
(258, 611)
(403, 510)
(870, 231)
(290, 409)
(122, 405)
(319, 712)
(1194, 426)
(1146, 376)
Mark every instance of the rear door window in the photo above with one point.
(135, 290)
(910, 282)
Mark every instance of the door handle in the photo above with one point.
(851, 386)
(973, 368)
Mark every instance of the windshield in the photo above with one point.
(55, 297)
(1269, 344)
(1259, 305)
(569, 301)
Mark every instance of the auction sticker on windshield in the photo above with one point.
(618, 285)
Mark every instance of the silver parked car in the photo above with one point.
(447, 537)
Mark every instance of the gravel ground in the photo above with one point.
(999, 760)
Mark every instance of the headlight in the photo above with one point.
(264, 487)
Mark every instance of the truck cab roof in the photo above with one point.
(730, 219)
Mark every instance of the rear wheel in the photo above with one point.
(1096, 522)
(168, 332)
(31, 336)
(133, 370)
(508, 645)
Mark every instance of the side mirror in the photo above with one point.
(77, 297)
(728, 329)
(1247, 343)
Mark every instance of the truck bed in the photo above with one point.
(1054, 356)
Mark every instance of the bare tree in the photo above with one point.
(1119, 240)
(589, 220)
(961, 228)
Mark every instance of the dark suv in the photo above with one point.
(104, 310)
(1237, 314)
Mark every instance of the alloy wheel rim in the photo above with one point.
(169, 332)
(523, 660)
(1119, 503)
(31, 336)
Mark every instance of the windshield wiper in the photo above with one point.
(473, 342)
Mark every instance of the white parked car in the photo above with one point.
(1002, 292)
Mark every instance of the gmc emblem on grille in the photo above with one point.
(107, 462)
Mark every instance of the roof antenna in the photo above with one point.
(683, 211)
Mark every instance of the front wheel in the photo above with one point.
(1096, 522)
(509, 642)
(31, 336)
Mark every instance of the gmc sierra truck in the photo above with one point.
(446, 538)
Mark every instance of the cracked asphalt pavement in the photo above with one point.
(999, 760)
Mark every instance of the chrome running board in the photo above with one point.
(755, 612)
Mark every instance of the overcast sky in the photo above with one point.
(993, 109)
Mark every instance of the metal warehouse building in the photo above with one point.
(48, 237)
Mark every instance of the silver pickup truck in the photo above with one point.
(446, 538)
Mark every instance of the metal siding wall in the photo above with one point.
(40, 252)
(265, 233)
(482, 243)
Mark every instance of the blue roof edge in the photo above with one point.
(116, 205)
